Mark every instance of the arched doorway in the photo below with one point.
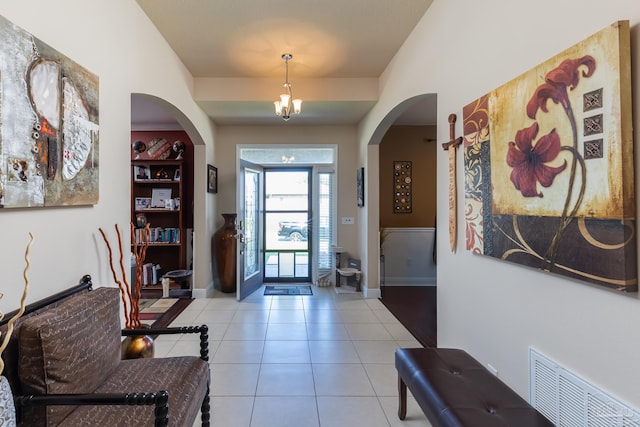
(406, 214)
(155, 118)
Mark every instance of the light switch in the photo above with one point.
(347, 220)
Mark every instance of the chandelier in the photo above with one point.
(286, 103)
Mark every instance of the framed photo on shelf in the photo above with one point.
(143, 203)
(212, 179)
(176, 175)
(158, 197)
(142, 173)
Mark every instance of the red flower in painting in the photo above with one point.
(528, 161)
(557, 81)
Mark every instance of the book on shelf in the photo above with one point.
(151, 274)
(158, 235)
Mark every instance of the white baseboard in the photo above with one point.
(371, 293)
(203, 293)
(410, 281)
(391, 285)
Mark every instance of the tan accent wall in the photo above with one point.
(416, 144)
(229, 137)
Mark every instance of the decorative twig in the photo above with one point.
(12, 321)
(123, 291)
(134, 304)
(130, 298)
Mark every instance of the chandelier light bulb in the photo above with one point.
(297, 105)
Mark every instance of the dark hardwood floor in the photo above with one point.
(415, 307)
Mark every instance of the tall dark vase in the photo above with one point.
(224, 249)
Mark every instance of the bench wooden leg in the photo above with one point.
(402, 402)
(205, 410)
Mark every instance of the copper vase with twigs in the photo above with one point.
(139, 345)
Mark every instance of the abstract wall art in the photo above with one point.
(48, 125)
(549, 178)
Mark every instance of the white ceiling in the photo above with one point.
(241, 41)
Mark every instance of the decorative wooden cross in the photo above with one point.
(451, 148)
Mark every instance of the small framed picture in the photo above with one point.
(143, 203)
(142, 173)
(158, 197)
(212, 179)
(176, 175)
(360, 186)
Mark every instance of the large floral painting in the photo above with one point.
(549, 179)
(48, 125)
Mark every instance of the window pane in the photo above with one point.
(287, 267)
(251, 237)
(302, 264)
(271, 264)
(286, 230)
(288, 155)
(326, 221)
(286, 191)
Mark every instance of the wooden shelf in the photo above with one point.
(160, 174)
(156, 181)
(159, 286)
(158, 210)
(160, 244)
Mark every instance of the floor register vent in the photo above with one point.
(569, 401)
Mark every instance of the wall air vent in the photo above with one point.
(569, 401)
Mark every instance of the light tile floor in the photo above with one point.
(325, 360)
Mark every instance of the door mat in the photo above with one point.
(288, 290)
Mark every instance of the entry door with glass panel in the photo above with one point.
(287, 222)
(249, 227)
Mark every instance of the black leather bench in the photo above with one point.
(454, 389)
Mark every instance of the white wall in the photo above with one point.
(116, 41)
(408, 256)
(461, 50)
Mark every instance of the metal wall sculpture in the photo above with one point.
(549, 178)
(402, 194)
(48, 125)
